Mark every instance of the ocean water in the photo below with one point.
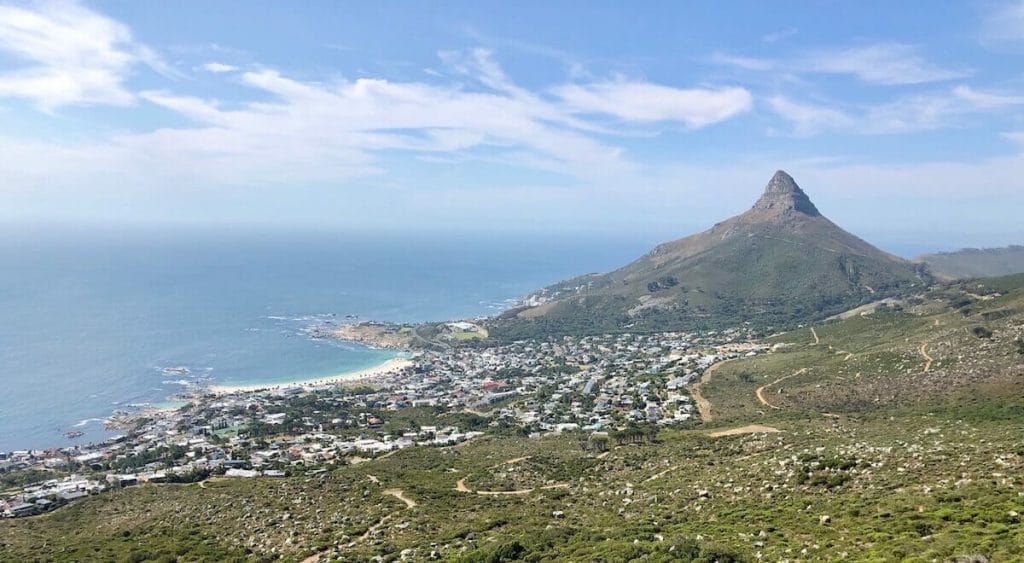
(97, 321)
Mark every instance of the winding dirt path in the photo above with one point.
(462, 488)
(661, 474)
(814, 333)
(400, 495)
(502, 493)
(748, 429)
(515, 460)
(760, 390)
(927, 359)
(703, 404)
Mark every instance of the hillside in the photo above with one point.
(975, 262)
(889, 435)
(780, 263)
(953, 347)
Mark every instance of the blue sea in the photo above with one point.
(96, 321)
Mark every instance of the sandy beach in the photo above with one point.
(389, 367)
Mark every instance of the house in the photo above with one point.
(22, 510)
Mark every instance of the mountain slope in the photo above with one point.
(975, 262)
(780, 263)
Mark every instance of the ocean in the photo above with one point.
(96, 321)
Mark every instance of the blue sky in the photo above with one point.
(903, 121)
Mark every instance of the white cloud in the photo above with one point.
(330, 132)
(744, 63)
(218, 68)
(876, 63)
(1015, 136)
(776, 36)
(646, 102)
(986, 100)
(1004, 24)
(807, 118)
(881, 63)
(69, 55)
(907, 114)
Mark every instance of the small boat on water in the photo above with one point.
(72, 434)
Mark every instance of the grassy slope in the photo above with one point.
(875, 362)
(917, 486)
(921, 467)
(773, 279)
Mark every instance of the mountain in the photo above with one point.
(975, 262)
(780, 263)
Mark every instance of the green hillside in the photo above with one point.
(891, 435)
(950, 348)
(779, 264)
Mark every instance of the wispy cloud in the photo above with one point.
(1004, 24)
(920, 112)
(70, 55)
(876, 63)
(218, 68)
(809, 118)
(309, 131)
(782, 34)
(646, 102)
(881, 63)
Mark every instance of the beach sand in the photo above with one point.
(389, 367)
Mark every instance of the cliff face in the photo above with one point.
(779, 263)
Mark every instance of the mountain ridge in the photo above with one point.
(780, 262)
(975, 262)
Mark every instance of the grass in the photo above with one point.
(917, 486)
(875, 362)
(875, 460)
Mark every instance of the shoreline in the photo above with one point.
(392, 366)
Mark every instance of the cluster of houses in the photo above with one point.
(48, 495)
(590, 384)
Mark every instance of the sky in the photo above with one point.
(903, 121)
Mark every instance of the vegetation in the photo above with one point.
(890, 435)
(772, 267)
(917, 486)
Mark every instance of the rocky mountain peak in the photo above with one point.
(783, 194)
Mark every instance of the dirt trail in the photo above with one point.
(814, 333)
(500, 493)
(660, 474)
(703, 404)
(398, 494)
(760, 390)
(462, 488)
(369, 531)
(749, 429)
(927, 359)
(373, 478)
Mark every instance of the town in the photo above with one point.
(592, 385)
